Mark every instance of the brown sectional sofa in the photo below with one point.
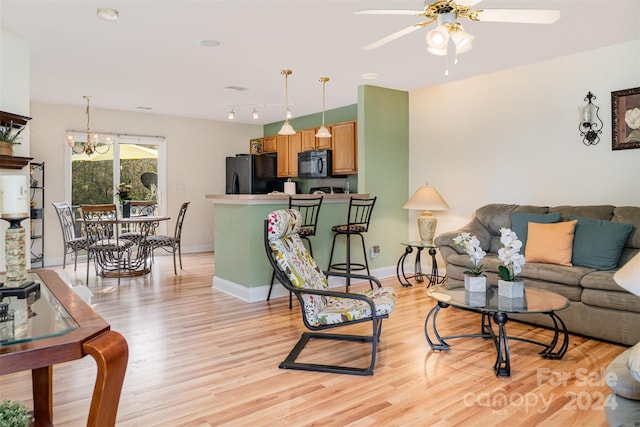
(598, 308)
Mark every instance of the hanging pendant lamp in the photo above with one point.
(323, 132)
(286, 128)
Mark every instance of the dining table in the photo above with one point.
(137, 262)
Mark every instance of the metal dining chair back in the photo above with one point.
(72, 243)
(171, 244)
(109, 251)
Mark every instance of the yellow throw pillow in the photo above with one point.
(550, 243)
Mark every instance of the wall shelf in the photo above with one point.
(14, 162)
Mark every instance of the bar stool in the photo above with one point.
(357, 223)
(309, 209)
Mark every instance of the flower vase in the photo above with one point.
(514, 289)
(475, 283)
(126, 208)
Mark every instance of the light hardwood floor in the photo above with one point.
(199, 357)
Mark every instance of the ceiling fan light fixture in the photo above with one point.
(438, 37)
(438, 51)
(461, 38)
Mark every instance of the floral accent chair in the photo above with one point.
(322, 308)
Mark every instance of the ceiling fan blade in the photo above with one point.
(392, 37)
(388, 12)
(468, 2)
(524, 16)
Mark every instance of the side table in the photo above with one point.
(419, 276)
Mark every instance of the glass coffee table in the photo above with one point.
(43, 323)
(496, 309)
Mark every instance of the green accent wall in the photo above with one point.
(383, 167)
(337, 115)
(243, 259)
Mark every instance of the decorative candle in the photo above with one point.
(14, 196)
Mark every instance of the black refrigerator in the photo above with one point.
(253, 174)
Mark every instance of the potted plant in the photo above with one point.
(14, 414)
(474, 278)
(8, 138)
(124, 195)
(509, 254)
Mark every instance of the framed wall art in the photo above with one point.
(625, 119)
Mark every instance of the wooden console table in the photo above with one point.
(64, 328)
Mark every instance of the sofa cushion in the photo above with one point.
(598, 243)
(633, 363)
(622, 301)
(520, 224)
(619, 379)
(550, 243)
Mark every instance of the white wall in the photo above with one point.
(14, 98)
(196, 151)
(512, 137)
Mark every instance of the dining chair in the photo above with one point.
(72, 243)
(108, 250)
(171, 244)
(321, 307)
(133, 231)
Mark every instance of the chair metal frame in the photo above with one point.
(72, 243)
(106, 248)
(358, 220)
(309, 209)
(376, 320)
(168, 243)
(133, 231)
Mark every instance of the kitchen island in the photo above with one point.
(241, 266)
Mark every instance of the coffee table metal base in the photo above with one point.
(502, 367)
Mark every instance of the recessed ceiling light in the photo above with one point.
(107, 14)
(370, 76)
(209, 43)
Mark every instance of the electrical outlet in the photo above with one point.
(375, 251)
(209, 232)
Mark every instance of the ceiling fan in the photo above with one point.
(447, 12)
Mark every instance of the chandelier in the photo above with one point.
(93, 144)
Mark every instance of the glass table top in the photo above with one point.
(34, 316)
(534, 300)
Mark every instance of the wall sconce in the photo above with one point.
(589, 127)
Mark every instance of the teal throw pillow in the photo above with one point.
(597, 243)
(520, 223)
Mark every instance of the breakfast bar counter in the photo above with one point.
(241, 267)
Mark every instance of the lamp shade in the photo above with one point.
(426, 198)
(629, 275)
(286, 129)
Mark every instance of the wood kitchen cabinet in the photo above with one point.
(288, 147)
(310, 142)
(345, 148)
(269, 144)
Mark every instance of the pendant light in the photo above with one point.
(286, 128)
(323, 132)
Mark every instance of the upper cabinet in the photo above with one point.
(288, 147)
(345, 148)
(310, 142)
(269, 144)
(343, 142)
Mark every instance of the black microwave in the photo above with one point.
(315, 164)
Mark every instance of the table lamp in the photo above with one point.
(427, 199)
(629, 275)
